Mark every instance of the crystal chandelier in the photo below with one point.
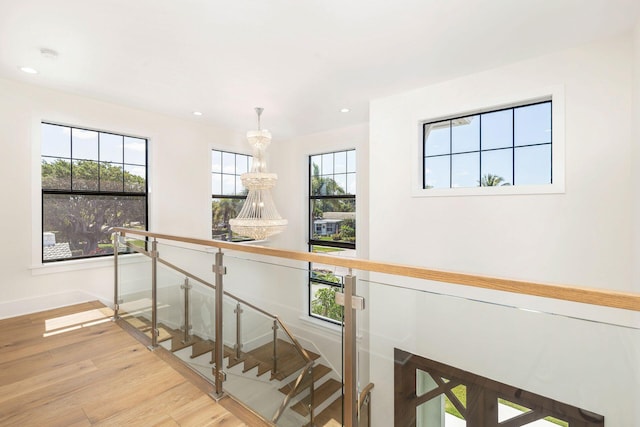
(258, 218)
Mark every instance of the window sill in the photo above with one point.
(325, 326)
(83, 264)
(510, 190)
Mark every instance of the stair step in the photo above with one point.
(177, 342)
(163, 334)
(201, 347)
(143, 325)
(232, 359)
(322, 393)
(250, 362)
(319, 371)
(289, 360)
(330, 417)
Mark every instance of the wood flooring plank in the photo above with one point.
(47, 379)
(201, 412)
(60, 417)
(91, 372)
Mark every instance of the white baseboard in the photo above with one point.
(24, 306)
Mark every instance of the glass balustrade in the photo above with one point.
(444, 360)
(133, 291)
(275, 360)
(409, 352)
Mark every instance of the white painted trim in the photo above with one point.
(84, 264)
(24, 306)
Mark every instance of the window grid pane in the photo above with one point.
(493, 143)
(227, 192)
(226, 170)
(87, 189)
(332, 227)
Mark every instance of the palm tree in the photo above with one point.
(490, 180)
(223, 210)
(325, 186)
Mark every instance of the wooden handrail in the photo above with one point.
(593, 296)
(363, 395)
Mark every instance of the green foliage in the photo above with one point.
(222, 210)
(347, 231)
(325, 186)
(85, 221)
(461, 393)
(324, 304)
(490, 180)
(56, 175)
(326, 276)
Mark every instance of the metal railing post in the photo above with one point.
(350, 366)
(187, 319)
(311, 395)
(238, 347)
(275, 346)
(218, 352)
(116, 306)
(154, 294)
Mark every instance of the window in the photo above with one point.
(332, 226)
(227, 192)
(505, 147)
(92, 181)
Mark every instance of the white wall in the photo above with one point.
(179, 189)
(290, 160)
(635, 120)
(580, 236)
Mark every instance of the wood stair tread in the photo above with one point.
(320, 394)
(319, 371)
(289, 360)
(201, 347)
(331, 416)
(178, 344)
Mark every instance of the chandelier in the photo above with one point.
(258, 218)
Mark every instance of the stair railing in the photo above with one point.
(277, 323)
(365, 399)
(618, 300)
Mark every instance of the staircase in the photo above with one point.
(251, 377)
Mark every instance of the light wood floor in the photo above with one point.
(74, 367)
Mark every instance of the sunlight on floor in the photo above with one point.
(72, 322)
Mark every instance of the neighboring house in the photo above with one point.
(53, 250)
(331, 222)
(327, 227)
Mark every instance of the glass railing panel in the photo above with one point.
(267, 289)
(134, 285)
(174, 327)
(444, 360)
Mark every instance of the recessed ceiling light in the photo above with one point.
(197, 113)
(344, 110)
(29, 70)
(48, 53)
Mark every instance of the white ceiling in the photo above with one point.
(302, 60)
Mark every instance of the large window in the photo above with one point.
(92, 181)
(332, 226)
(510, 146)
(227, 192)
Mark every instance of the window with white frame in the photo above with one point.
(332, 227)
(501, 147)
(92, 181)
(227, 192)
